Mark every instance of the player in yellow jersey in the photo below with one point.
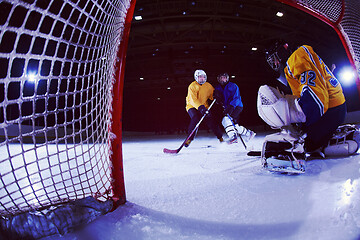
(199, 92)
(317, 103)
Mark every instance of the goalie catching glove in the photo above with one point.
(278, 110)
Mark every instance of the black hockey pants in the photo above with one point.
(236, 114)
(195, 116)
(320, 132)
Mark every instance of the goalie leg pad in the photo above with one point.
(278, 110)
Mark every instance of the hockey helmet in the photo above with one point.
(223, 78)
(199, 73)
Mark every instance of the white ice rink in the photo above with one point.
(213, 191)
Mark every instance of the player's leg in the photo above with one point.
(195, 117)
(320, 132)
(229, 129)
(247, 134)
(279, 112)
(332, 140)
(212, 124)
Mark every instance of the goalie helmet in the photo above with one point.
(223, 78)
(197, 74)
(278, 55)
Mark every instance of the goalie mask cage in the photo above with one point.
(61, 80)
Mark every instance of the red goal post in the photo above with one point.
(344, 17)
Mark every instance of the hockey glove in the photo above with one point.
(229, 109)
(218, 96)
(202, 109)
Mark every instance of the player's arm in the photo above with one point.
(212, 89)
(235, 101)
(310, 102)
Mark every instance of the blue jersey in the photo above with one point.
(230, 94)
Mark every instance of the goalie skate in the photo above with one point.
(283, 153)
(284, 163)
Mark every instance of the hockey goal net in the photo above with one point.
(60, 61)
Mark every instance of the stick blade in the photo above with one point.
(254, 153)
(170, 151)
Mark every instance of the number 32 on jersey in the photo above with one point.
(309, 77)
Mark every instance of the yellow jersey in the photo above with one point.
(312, 82)
(198, 95)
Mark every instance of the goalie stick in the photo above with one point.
(174, 151)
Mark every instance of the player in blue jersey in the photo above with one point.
(228, 95)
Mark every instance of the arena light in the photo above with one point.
(31, 77)
(138, 18)
(279, 14)
(254, 48)
(347, 75)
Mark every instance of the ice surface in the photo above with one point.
(215, 191)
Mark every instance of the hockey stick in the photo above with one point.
(166, 150)
(254, 153)
(236, 131)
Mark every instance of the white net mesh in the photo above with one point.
(349, 23)
(57, 68)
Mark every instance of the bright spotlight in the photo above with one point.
(347, 75)
(32, 77)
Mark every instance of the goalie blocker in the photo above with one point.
(281, 112)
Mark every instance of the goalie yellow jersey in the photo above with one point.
(312, 82)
